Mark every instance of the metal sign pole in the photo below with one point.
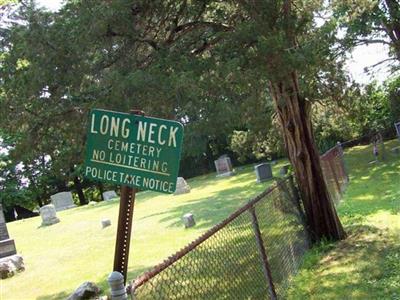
(124, 228)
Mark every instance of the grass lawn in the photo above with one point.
(60, 257)
(367, 264)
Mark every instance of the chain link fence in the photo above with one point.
(252, 254)
(334, 170)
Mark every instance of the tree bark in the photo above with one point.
(295, 119)
(78, 187)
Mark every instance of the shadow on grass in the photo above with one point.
(364, 266)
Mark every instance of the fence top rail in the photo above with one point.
(142, 279)
(334, 151)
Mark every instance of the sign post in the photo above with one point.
(135, 152)
(125, 217)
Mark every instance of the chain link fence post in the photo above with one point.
(263, 254)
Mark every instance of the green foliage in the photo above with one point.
(206, 64)
(393, 89)
(370, 22)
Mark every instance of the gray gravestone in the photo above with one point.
(263, 172)
(62, 201)
(284, 170)
(223, 165)
(7, 245)
(49, 215)
(397, 125)
(109, 195)
(105, 223)
(188, 220)
(181, 186)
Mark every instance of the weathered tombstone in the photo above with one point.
(223, 165)
(188, 220)
(49, 215)
(284, 170)
(105, 223)
(109, 195)
(62, 201)
(397, 125)
(7, 245)
(181, 186)
(263, 172)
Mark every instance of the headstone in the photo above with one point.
(7, 245)
(49, 215)
(109, 195)
(105, 223)
(188, 220)
(397, 125)
(284, 170)
(62, 201)
(223, 165)
(263, 172)
(181, 186)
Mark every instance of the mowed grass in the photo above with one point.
(60, 257)
(367, 264)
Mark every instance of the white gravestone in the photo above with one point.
(49, 215)
(181, 186)
(109, 195)
(223, 165)
(263, 172)
(188, 220)
(62, 201)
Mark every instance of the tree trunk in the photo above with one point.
(78, 187)
(295, 119)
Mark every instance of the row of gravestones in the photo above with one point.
(223, 165)
(263, 171)
(62, 201)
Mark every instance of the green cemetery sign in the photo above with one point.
(133, 150)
